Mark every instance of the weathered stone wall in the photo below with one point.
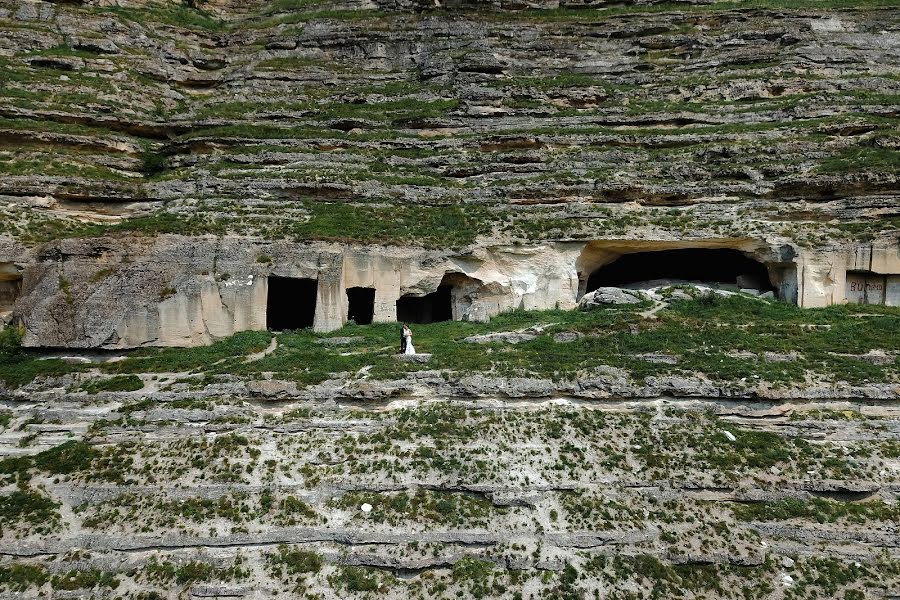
(823, 272)
(182, 291)
(524, 148)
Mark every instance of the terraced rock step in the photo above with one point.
(427, 498)
(276, 120)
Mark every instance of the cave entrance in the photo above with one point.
(360, 305)
(291, 303)
(864, 287)
(693, 265)
(9, 292)
(430, 308)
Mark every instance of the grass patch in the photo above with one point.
(66, 458)
(175, 14)
(819, 510)
(449, 509)
(28, 510)
(862, 158)
(19, 577)
(119, 383)
(288, 562)
(19, 366)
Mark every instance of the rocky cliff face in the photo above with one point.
(785, 117)
(190, 177)
(460, 127)
(195, 494)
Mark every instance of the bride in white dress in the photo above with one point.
(407, 333)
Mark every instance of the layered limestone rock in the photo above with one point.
(181, 291)
(703, 499)
(188, 291)
(864, 274)
(501, 153)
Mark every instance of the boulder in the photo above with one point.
(609, 295)
(775, 357)
(417, 358)
(507, 337)
(565, 337)
(272, 388)
(658, 357)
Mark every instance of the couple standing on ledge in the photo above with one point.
(406, 345)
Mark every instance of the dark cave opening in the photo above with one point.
(291, 303)
(430, 308)
(360, 305)
(699, 265)
(9, 292)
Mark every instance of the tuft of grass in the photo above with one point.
(819, 510)
(293, 561)
(30, 509)
(66, 458)
(119, 383)
(19, 577)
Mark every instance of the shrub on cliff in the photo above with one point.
(19, 366)
(11, 342)
(152, 162)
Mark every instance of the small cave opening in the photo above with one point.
(291, 303)
(9, 292)
(695, 265)
(430, 308)
(360, 305)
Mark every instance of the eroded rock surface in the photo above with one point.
(528, 144)
(229, 496)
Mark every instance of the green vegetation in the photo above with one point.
(149, 513)
(819, 510)
(19, 366)
(180, 15)
(153, 162)
(118, 383)
(289, 562)
(474, 575)
(66, 458)
(28, 512)
(228, 353)
(19, 577)
(869, 157)
(85, 580)
(701, 334)
(423, 506)
(193, 571)
(439, 226)
(357, 579)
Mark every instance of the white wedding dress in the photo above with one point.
(409, 346)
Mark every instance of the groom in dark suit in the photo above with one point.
(402, 338)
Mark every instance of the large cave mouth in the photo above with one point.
(291, 303)
(360, 305)
(430, 308)
(690, 265)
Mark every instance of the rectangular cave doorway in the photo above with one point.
(291, 303)
(9, 292)
(864, 287)
(430, 308)
(360, 305)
